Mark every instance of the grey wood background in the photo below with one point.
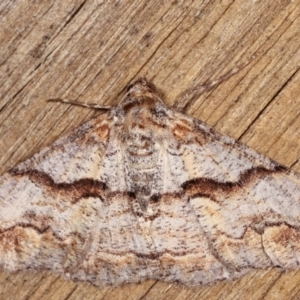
(90, 50)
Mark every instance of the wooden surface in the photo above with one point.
(90, 50)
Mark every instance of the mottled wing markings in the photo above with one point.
(144, 192)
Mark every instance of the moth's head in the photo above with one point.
(141, 93)
(142, 85)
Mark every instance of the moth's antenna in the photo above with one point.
(88, 105)
(183, 99)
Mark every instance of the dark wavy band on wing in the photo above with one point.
(210, 187)
(83, 188)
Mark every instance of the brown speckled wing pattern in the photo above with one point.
(145, 192)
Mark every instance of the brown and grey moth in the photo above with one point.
(146, 192)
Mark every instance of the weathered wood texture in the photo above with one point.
(90, 50)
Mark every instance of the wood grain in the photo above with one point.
(90, 50)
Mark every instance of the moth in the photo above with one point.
(146, 192)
